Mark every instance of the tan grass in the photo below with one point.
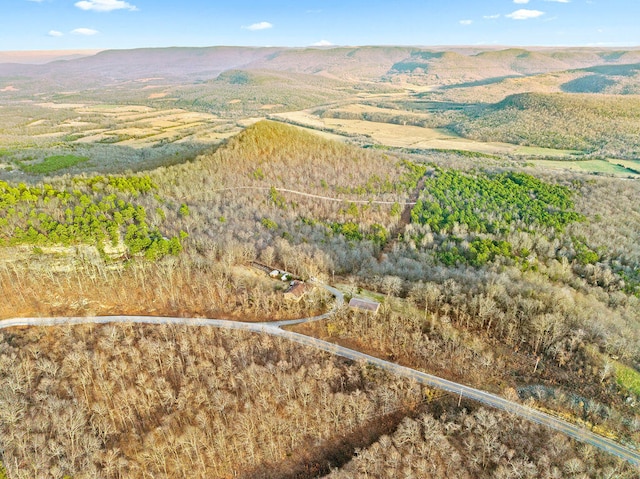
(408, 136)
(588, 166)
(61, 106)
(270, 106)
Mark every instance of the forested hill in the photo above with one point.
(601, 124)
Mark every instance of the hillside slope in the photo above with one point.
(605, 125)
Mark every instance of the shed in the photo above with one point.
(364, 305)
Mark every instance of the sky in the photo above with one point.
(116, 24)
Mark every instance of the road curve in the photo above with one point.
(275, 329)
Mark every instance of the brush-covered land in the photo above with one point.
(491, 209)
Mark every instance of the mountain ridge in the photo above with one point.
(358, 63)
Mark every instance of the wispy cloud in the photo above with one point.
(84, 31)
(322, 43)
(491, 17)
(524, 14)
(258, 26)
(55, 33)
(520, 1)
(105, 5)
(465, 22)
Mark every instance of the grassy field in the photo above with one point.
(408, 136)
(46, 138)
(53, 163)
(136, 126)
(628, 378)
(537, 151)
(632, 165)
(609, 167)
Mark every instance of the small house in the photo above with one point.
(295, 291)
(364, 305)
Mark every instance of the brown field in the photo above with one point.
(407, 136)
(136, 126)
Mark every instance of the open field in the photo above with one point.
(610, 167)
(136, 126)
(109, 137)
(632, 165)
(407, 136)
(54, 163)
(628, 378)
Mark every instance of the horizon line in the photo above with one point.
(322, 47)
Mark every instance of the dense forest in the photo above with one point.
(477, 444)
(125, 401)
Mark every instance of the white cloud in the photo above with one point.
(55, 33)
(524, 14)
(105, 5)
(491, 17)
(322, 43)
(520, 1)
(259, 26)
(84, 31)
(466, 22)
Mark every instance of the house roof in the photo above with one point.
(297, 290)
(364, 304)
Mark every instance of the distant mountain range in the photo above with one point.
(43, 56)
(445, 67)
(362, 63)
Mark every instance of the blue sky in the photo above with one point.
(101, 24)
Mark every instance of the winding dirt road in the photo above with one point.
(318, 197)
(275, 329)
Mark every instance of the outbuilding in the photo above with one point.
(364, 305)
